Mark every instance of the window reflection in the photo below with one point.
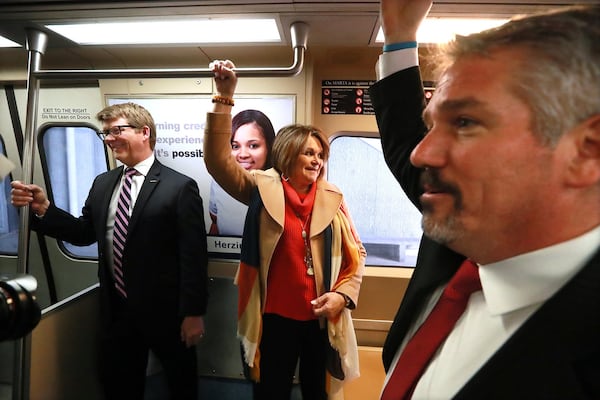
(388, 223)
(9, 217)
(72, 171)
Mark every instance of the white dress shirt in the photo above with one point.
(142, 169)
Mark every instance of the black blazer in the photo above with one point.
(165, 256)
(556, 353)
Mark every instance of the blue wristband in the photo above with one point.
(399, 46)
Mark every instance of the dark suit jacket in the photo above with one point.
(556, 353)
(165, 257)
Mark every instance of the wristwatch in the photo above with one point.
(347, 298)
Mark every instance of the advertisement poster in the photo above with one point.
(180, 124)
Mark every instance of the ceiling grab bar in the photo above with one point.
(299, 38)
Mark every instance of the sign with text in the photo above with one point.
(346, 97)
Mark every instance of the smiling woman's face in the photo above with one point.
(308, 165)
(249, 147)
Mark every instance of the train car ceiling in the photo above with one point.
(345, 23)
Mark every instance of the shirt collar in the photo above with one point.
(143, 167)
(534, 277)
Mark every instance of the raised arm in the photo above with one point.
(398, 99)
(220, 164)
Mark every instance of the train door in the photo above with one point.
(68, 156)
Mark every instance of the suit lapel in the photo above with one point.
(114, 176)
(555, 353)
(150, 183)
(271, 193)
(327, 202)
(435, 265)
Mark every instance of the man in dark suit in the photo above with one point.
(504, 164)
(163, 295)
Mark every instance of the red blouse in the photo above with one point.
(289, 288)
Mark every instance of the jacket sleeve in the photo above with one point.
(224, 169)
(59, 224)
(193, 254)
(399, 101)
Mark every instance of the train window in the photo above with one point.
(72, 171)
(388, 223)
(9, 217)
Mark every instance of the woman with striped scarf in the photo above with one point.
(301, 263)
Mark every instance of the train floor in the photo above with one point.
(209, 389)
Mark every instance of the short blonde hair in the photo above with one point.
(290, 141)
(135, 115)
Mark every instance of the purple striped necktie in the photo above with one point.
(120, 230)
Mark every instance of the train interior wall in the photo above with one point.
(382, 287)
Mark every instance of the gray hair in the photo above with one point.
(560, 73)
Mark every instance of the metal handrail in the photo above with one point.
(299, 36)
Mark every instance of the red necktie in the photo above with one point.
(422, 346)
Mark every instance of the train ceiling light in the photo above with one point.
(171, 32)
(442, 30)
(4, 42)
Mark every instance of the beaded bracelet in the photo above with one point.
(228, 101)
